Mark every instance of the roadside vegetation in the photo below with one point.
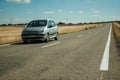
(116, 28)
(12, 33)
(65, 29)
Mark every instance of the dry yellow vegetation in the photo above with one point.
(116, 27)
(76, 28)
(11, 34)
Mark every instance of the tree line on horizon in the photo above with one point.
(63, 23)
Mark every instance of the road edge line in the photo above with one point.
(50, 45)
(3, 45)
(105, 60)
(79, 36)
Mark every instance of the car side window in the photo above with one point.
(49, 23)
(53, 23)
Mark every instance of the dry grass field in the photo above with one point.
(11, 34)
(116, 27)
(77, 28)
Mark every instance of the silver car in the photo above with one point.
(40, 30)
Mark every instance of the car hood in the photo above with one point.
(34, 28)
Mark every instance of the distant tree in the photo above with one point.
(26, 23)
(79, 23)
(117, 21)
(10, 24)
(20, 24)
(70, 23)
(60, 23)
(3, 25)
(91, 23)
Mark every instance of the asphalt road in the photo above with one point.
(75, 56)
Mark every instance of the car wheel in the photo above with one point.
(56, 38)
(47, 38)
(25, 41)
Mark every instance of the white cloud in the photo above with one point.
(94, 11)
(49, 12)
(19, 1)
(81, 12)
(21, 20)
(71, 11)
(60, 10)
(29, 12)
(95, 15)
(114, 17)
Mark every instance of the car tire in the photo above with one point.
(56, 38)
(25, 41)
(47, 38)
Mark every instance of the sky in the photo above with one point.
(68, 11)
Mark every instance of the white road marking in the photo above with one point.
(4, 45)
(50, 45)
(105, 60)
(79, 36)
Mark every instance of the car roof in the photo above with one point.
(42, 19)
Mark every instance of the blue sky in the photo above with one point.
(70, 11)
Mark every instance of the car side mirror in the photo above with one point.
(50, 26)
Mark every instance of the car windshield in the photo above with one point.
(37, 23)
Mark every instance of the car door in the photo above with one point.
(50, 27)
(54, 28)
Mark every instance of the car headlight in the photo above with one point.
(42, 31)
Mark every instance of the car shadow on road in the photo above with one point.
(31, 42)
